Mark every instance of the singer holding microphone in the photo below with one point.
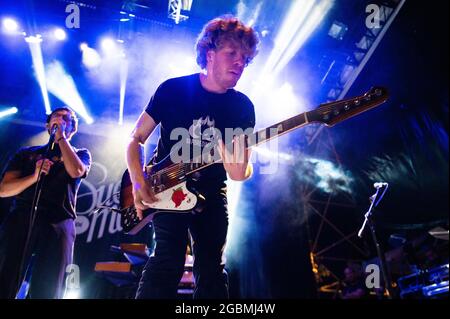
(44, 181)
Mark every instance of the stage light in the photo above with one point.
(291, 24)
(9, 111)
(117, 139)
(310, 24)
(33, 39)
(59, 34)
(301, 20)
(255, 15)
(248, 16)
(34, 42)
(112, 49)
(186, 5)
(241, 9)
(337, 30)
(90, 56)
(108, 45)
(10, 25)
(120, 135)
(123, 85)
(88, 119)
(269, 92)
(62, 85)
(264, 33)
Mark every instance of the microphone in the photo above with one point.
(52, 135)
(54, 129)
(380, 184)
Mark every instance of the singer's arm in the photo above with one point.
(13, 184)
(72, 163)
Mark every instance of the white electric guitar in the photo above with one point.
(170, 181)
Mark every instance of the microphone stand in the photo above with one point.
(33, 211)
(368, 220)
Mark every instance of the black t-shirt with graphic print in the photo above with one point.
(59, 190)
(184, 103)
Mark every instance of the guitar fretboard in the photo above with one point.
(255, 139)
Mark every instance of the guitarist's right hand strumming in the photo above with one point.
(142, 192)
(143, 195)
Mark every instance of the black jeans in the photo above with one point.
(52, 245)
(164, 269)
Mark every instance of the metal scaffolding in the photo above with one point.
(175, 9)
(344, 66)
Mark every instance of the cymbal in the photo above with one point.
(439, 232)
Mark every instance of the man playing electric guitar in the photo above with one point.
(204, 105)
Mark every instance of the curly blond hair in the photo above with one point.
(225, 29)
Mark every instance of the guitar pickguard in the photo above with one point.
(176, 198)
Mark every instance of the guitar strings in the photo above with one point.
(176, 170)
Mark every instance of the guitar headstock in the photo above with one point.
(335, 112)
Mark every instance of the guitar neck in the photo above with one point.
(328, 114)
(258, 138)
(277, 129)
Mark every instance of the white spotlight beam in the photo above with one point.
(255, 15)
(38, 64)
(10, 25)
(310, 24)
(293, 20)
(123, 85)
(90, 56)
(59, 34)
(108, 45)
(61, 85)
(236, 227)
(9, 111)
